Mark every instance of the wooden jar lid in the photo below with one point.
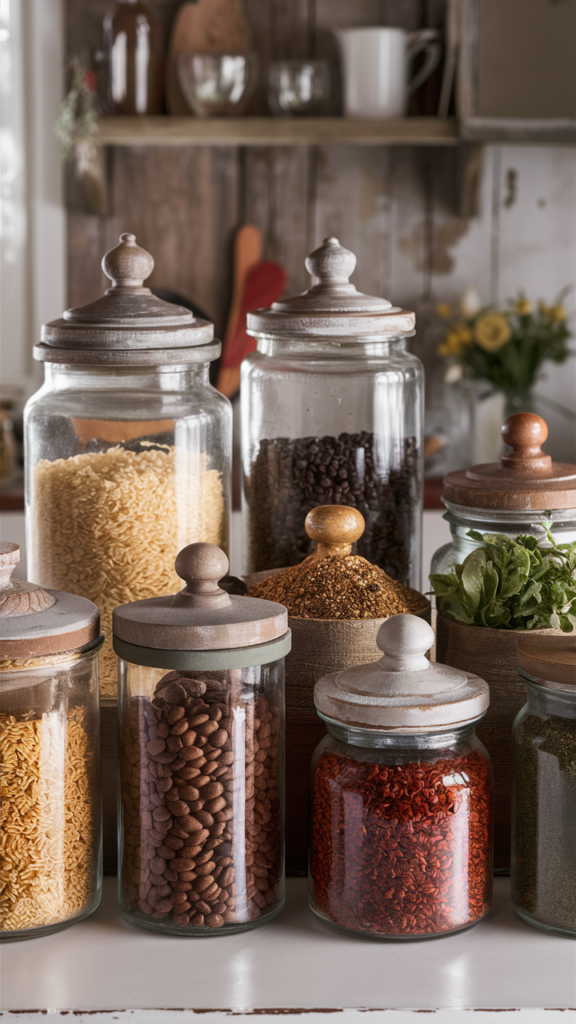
(128, 325)
(551, 660)
(404, 691)
(524, 479)
(201, 618)
(37, 623)
(332, 307)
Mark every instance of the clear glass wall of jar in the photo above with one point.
(124, 466)
(561, 523)
(51, 809)
(401, 831)
(202, 801)
(333, 421)
(543, 858)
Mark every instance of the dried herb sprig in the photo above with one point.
(511, 584)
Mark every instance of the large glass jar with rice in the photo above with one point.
(50, 824)
(127, 446)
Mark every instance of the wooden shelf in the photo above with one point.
(272, 131)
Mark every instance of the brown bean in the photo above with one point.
(181, 918)
(208, 727)
(203, 907)
(156, 746)
(218, 739)
(182, 864)
(178, 897)
(196, 805)
(165, 757)
(164, 907)
(179, 808)
(163, 785)
(197, 920)
(170, 875)
(164, 890)
(173, 842)
(198, 720)
(190, 851)
(214, 921)
(189, 823)
(186, 876)
(210, 766)
(173, 693)
(178, 763)
(145, 907)
(181, 886)
(174, 743)
(188, 793)
(212, 789)
(219, 908)
(202, 883)
(205, 869)
(229, 916)
(189, 738)
(187, 773)
(189, 753)
(205, 818)
(161, 814)
(166, 852)
(163, 730)
(227, 877)
(176, 715)
(202, 780)
(194, 687)
(213, 806)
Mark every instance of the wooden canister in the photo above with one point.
(492, 654)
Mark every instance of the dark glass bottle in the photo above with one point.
(133, 42)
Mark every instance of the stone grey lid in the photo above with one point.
(332, 306)
(202, 616)
(35, 622)
(403, 692)
(128, 325)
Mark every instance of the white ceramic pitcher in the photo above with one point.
(375, 68)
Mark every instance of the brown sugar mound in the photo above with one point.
(339, 587)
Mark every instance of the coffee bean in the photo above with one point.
(173, 693)
(205, 818)
(188, 792)
(198, 719)
(182, 864)
(212, 789)
(164, 907)
(155, 746)
(213, 806)
(206, 868)
(181, 918)
(214, 921)
(189, 738)
(219, 738)
(185, 774)
(175, 716)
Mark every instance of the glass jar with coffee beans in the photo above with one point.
(201, 754)
(332, 414)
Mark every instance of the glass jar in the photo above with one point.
(544, 788)
(127, 449)
(526, 494)
(401, 795)
(201, 756)
(49, 747)
(135, 53)
(332, 408)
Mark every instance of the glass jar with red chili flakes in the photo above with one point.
(401, 794)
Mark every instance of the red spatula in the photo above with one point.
(264, 284)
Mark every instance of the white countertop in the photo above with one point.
(295, 963)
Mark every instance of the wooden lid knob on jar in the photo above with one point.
(35, 622)
(524, 479)
(335, 528)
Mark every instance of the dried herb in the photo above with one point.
(544, 849)
(403, 849)
(339, 587)
(511, 584)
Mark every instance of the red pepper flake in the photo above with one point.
(402, 849)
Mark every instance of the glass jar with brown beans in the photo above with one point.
(202, 775)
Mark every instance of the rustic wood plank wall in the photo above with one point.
(396, 207)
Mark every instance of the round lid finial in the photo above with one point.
(16, 596)
(404, 639)
(331, 264)
(9, 558)
(201, 566)
(525, 432)
(127, 265)
(335, 528)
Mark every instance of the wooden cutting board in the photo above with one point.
(206, 26)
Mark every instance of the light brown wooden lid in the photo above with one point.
(335, 528)
(202, 616)
(128, 324)
(525, 478)
(332, 307)
(404, 691)
(38, 622)
(551, 660)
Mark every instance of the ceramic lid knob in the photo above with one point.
(331, 264)
(335, 528)
(201, 566)
(9, 558)
(16, 596)
(404, 639)
(127, 265)
(525, 433)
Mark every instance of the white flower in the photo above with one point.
(453, 374)
(470, 302)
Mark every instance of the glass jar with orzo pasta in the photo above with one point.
(127, 446)
(201, 708)
(401, 794)
(50, 823)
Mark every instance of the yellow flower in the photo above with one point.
(443, 349)
(464, 334)
(444, 310)
(523, 307)
(544, 309)
(492, 332)
(557, 313)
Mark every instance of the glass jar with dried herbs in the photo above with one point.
(544, 788)
(401, 794)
